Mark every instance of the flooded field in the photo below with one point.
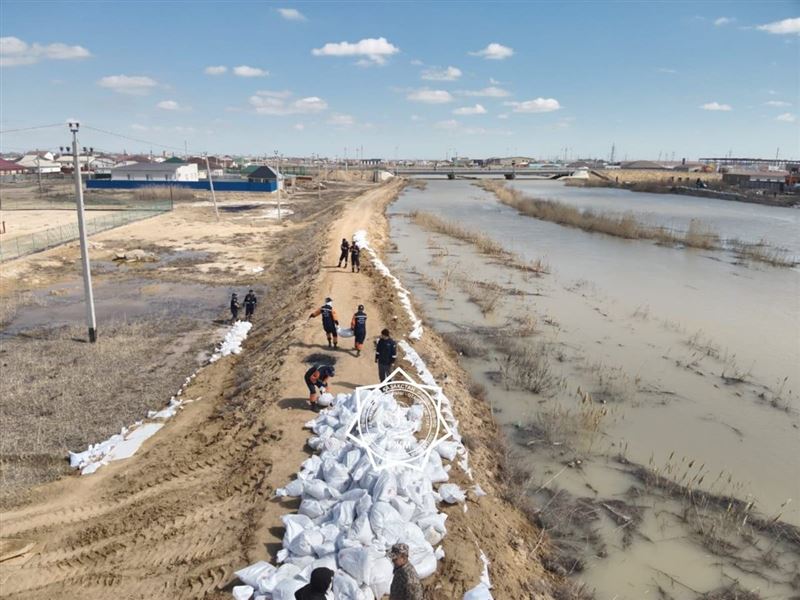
(647, 392)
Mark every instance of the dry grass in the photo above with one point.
(158, 192)
(466, 344)
(698, 235)
(485, 244)
(60, 393)
(527, 366)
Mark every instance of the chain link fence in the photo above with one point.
(49, 238)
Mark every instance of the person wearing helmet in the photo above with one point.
(317, 377)
(345, 246)
(330, 321)
(234, 307)
(359, 326)
(250, 302)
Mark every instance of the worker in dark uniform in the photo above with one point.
(343, 256)
(317, 378)
(359, 326)
(385, 355)
(234, 307)
(330, 322)
(355, 258)
(250, 302)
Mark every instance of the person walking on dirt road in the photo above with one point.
(317, 377)
(359, 326)
(330, 321)
(385, 355)
(355, 258)
(318, 587)
(405, 581)
(250, 302)
(345, 250)
(234, 307)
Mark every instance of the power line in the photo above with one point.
(32, 128)
(133, 139)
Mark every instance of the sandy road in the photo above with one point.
(197, 502)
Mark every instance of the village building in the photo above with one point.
(163, 171)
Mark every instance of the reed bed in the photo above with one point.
(698, 235)
(485, 244)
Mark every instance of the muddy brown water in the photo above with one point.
(683, 352)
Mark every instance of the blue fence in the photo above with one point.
(219, 186)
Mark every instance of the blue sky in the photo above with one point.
(411, 79)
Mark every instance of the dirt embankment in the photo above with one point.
(197, 502)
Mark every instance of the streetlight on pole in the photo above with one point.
(87, 270)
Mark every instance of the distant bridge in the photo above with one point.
(456, 172)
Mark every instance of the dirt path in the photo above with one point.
(197, 502)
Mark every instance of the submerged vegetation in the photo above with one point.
(626, 226)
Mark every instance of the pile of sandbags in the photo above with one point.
(352, 512)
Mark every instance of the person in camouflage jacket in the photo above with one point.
(405, 581)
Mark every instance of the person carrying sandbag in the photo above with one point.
(405, 581)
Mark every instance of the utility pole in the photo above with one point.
(87, 270)
(39, 170)
(278, 174)
(211, 186)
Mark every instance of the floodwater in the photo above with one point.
(684, 352)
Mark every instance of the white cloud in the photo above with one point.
(373, 50)
(494, 51)
(450, 124)
(786, 118)
(417, 62)
(415, 117)
(487, 92)
(168, 105)
(493, 81)
(782, 27)
(448, 74)
(135, 85)
(341, 120)
(722, 21)
(716, 106)
(502, 116)
(537, 105)
(470, 110)
(430, 96)
(778, 103)
(216, 70)
(299, 126)
(245, 71)
(268, 103)
(291, 14)
(667, 71)
(15, 52)
(139, 127)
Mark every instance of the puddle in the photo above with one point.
(63, 304)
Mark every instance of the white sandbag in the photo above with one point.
(435, 520)
(451, 493)
(423, 559)
(447, 450)
(266, 585)
(434, 469)
(345, 587)
(479, 592)
(403, 507)
(313, 508)
(336, 474)
(295, 525)
(301, 562)
(358, 563)
(328, 561)
(325, 399)
(250, 575)
(478, 490)
(381, 514)
(343, 514)
(362, 530)
(380, 577)
(243, 592)
(282, 555)
(285, 589)
(345, 332)
(304, 543)
(316, 488)
(439, 553)
(293, 489)
(385, 487)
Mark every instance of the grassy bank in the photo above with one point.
(627, 226)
